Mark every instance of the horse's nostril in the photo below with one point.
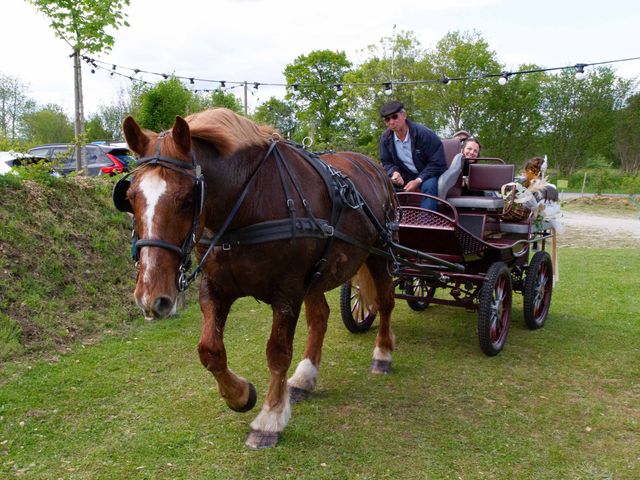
(162, 306)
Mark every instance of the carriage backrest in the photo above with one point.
(483, 176)
(451, 149)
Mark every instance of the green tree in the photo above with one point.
(580, 116)
(319, 109)
(277, 113)
(220, 98)
(459, 55)
(627, 135)
(160, 104)
(48, 125)
(13, 104)
(509, 119)
(95, 129)
(83, 25)
(392, 59)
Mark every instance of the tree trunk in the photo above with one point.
(81, 153)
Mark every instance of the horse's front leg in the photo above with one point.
(304, 379)
(276, 410)
(238, 393)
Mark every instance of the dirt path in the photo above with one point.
(600, 230)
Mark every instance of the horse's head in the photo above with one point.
(164, 195)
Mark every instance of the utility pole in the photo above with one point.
(245, 98)
(393, 52)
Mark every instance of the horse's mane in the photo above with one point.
(228, 131)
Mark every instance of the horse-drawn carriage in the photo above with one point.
(270, 220)
(471, 247)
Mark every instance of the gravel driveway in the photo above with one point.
(599, 230)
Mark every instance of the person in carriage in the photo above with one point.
(411, 154)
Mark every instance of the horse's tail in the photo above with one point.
(368, 291)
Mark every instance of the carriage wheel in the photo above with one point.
(419, 288)
(494, 313)
(356, 316)
(538, 286)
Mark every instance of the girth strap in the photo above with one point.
(273, 230)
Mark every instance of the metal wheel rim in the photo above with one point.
(359, 312)
(500, 308)
(541, 293)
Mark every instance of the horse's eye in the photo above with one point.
(186, 203)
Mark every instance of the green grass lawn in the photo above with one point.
(560, 402)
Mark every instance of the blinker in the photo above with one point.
(119, 195)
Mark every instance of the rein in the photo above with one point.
(342, 193)
(185, 280)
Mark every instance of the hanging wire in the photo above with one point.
(386, 85)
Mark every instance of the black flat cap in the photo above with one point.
(390, 107)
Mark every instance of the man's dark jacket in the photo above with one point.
(426, 149)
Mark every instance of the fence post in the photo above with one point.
(584, 182)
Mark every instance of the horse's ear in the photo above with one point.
(135, 137)
(182, 135)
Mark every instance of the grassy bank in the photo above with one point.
(560, 402)
(64, 272)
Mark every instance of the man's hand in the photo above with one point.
(396, 179)
(413, 185)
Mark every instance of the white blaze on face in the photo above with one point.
(152, 187)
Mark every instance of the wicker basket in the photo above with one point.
(513, 211)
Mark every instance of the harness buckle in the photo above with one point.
(226, 246)
(328, 230)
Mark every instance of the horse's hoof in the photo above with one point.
(258, 439)
(251, 401)
(381, 367)
(297, 395)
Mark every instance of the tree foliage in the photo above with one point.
(13, 105)
(627, 135)
(84, 24)
(277, 113)
(320, 111)
(580, 116)
(160, 104)
(48, 125)
(220, 98)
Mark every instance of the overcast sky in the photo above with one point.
(253, 40)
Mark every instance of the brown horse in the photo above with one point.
(287, 229)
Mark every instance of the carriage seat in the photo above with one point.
(487, 178)
(451, 178)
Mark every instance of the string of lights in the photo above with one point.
(387, 86)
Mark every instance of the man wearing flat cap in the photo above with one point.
(412, 154)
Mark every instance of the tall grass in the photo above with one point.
(560, 402)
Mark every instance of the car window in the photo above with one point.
(122, 154)
(63, 155)
(40, 152)
(94, 156)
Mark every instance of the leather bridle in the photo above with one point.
(122, 203)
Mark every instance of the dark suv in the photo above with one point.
(102, 158)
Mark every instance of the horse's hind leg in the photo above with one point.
(238, 393)
(304, 379)
(276, 410)
(376, 285)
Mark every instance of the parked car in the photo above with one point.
(11, 159)
(102, 158)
